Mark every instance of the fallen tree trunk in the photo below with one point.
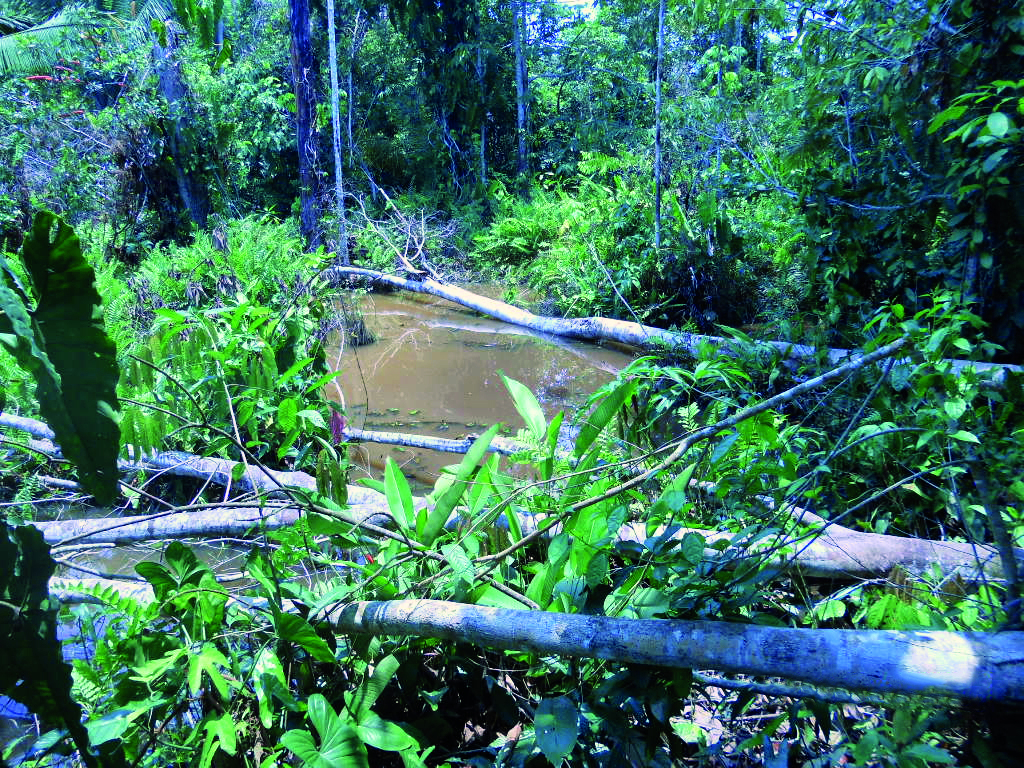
(210, 523)
(832, 551)
(838, 553)
(974, 665)
(970, 665)
(620, 331)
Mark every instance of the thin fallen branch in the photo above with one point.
(442, 444)
(621, 331)
(969, 665)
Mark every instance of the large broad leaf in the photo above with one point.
(62, 343)
(396, 489)
(603, 414)
(33, 671)
(340, 746)
(364, 697)
(556, 726)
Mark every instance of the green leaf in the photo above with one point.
(366, 695)
(556, 726)
(998, 124)
(459, 562)
(930, 755)
(286, 414)
(63, 345)
(33, 671)
(438, 516)
(601, 415)
(208, 660)
(692, 547)
(396, 489)
(950, 113)
(383, 734)
(528, 406)
(340, 746)
(111, 726)
(965, 436)
(673, 496)
(295, 629)
(955, 408)
(268, 680)
(830, 609)
(992, 161)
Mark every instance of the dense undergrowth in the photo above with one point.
(196, 679)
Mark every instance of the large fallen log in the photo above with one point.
(830, 551)
(970, 665)
(620, 331)
(835, 553)
(973, 665)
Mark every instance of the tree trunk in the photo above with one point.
(657, 124)
(832, 550)
(480, 72)
(307, 137)
(976, 666)
(357, 40)
(519, 45)
(339, 173)
(193, 192)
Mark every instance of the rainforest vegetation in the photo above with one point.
(787, 533)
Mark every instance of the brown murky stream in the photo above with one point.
(434, 371)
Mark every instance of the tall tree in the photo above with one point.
(519, 46)
(657, 123)
(192, 188)
(304, 74)
(339, 180)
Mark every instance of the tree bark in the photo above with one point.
(831, 551)
(657, 124)
(971, 665)
(307, 137)
(974, 666)
(480, 72)
(519, 44)
(191, 189)
(339, 173)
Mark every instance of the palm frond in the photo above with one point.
(32, 50)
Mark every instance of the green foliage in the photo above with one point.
(54, 327)
(34, 672)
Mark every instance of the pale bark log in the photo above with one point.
(211, 523)
(833, 551)
(978, 666)
(623, 331)
(971, 665)
(843, 555)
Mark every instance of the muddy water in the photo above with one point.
(434, 371)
